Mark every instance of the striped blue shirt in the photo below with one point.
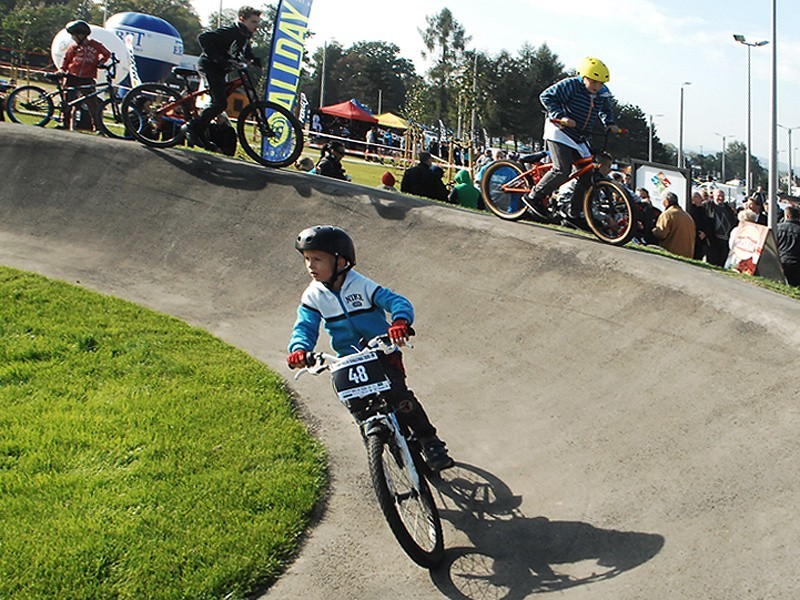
(570, 98)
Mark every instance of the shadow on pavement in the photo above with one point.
(512, 555)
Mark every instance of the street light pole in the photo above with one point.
(772, 190)
(789, 154)
(650, 138)
(680, 131)
(748, 177)
(724, 149)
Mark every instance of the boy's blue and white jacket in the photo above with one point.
(570, 98)
(357, 311)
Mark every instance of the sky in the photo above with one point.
(650, 46)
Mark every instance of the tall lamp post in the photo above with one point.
(724, 151)
(650, 138)
(680, 130)
(772, 190)
(789, 154)
(748, 178)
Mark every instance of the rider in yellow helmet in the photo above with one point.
(573, 107)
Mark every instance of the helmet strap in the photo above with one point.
(336, 272)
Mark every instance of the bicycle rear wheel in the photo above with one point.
(31, 105)
(154, 114)
(412, 515)
(497, 179)
(609, 212)
(270, 134)
(111, 122)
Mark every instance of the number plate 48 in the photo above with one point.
(359, 376)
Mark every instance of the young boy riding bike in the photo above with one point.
(576, 103)
(222, 49)
(353, 308)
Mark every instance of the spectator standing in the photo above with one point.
(724, 219)
(675, 229)
(464, 193)
(419, 180)
(371, 139)
(787, 234)
(760, 195)
(704, 226)
(81, 60)
(757, 206)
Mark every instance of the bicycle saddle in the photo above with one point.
(533, 158)
(180, 71)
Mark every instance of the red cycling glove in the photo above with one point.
(297, 359)
(399, 332)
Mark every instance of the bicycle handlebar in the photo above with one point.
(317, 362)
(560, 124)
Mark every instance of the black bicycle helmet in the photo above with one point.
(78, 27)
(327, 238)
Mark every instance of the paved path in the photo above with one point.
(625, 425)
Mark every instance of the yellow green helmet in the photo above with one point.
(594, 68)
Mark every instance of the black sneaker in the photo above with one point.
(535, 206)
(191, 136)
(435, 453)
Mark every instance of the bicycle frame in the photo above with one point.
(376, 422)
(242, 81)
(582, 166)
(99, 88)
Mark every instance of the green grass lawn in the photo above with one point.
(140, 457)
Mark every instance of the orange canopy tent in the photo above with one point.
(349, 109)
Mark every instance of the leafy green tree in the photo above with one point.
(365, 70)
(444, 39)
(30, 27)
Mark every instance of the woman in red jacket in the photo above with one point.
(80, 67)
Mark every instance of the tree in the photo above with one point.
(365, 70)
(445, 37)
(31, 27)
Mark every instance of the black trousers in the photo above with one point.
(408, 409)
(217, 89)
(792, 273)
(717, 251)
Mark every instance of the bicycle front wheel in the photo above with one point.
(110, 121)
(503, 185)
(270, 134)
(154, 114)
(609, 212)
(411, 514)
(30, 105)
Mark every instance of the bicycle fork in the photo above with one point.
(388, 425)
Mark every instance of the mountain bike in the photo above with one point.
(268, 132)
(396, 466)
(608, 210)
(36, 106)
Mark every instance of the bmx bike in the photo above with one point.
(608, 210)
(397, 469)
(269, 133)
(36, 106)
